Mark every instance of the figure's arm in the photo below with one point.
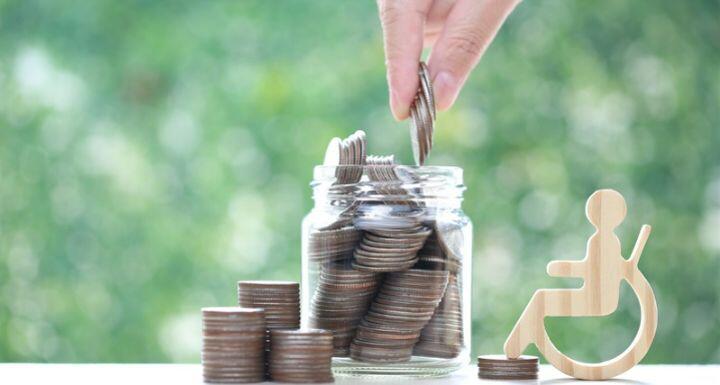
(639, 245)
(566, 269)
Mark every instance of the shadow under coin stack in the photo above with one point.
(301, 356)
(342, 298)
(404, 305)
(499, 367)
(233, 348)
(279, 299)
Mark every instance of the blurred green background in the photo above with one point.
(153, 153)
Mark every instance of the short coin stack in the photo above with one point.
(301, 356)
(422, 117)
(499, 367)
(281, 301)
(342, 298)
(404, 305)
(233, 345)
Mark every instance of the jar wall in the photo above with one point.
(391, 279)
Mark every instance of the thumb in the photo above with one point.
(470, 28)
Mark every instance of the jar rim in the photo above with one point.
(413, 183)
(454, 174)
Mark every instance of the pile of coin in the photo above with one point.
(442, 336)
(390, 249)
(233, 344)
(279, 299)
(342, 298)
(499, 367)
(422, 117)
(327, 245)
(301, 356)
(348, 155)
(403, 306)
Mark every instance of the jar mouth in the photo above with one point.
(387, 183)
(453, 174)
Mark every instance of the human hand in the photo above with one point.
(458, 31)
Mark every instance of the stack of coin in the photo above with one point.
(233, 345)
(432, 256)
(442, 336)
(326, 245)
(404, 305)
(389, 249)
(280, 299)
(382, 171)
(381, 168)
(499, 367)
(422, 117)
(451, 241)
(348, 155)
(301, 356)
(341, 299)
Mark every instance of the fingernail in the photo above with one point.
(398, 108)
(446, 87)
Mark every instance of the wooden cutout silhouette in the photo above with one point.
(603, 270)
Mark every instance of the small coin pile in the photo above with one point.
(390, 249)
(301, 356)
(279, 299)
(403, 306)
(233, 345)
(342, 298)
(422, 117)
(499, 367)
(381, 168)
(348, 155)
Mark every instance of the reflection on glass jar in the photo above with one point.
(386, 267)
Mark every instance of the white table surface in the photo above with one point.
(176, 374)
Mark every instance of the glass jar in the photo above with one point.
(386, 267)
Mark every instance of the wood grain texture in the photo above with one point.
(602, 270)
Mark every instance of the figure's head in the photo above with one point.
(605, 209)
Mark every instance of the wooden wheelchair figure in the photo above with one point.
(603, 270)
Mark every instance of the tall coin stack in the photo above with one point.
(233, 347)
(301, 356)
(279, 299)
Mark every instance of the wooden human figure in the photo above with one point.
(602, 270)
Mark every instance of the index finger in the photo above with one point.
(403, 22)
